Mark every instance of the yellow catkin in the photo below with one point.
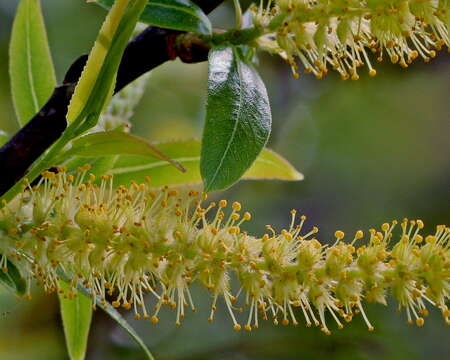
(345, 35)
(131, 241)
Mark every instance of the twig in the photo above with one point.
(151, 48)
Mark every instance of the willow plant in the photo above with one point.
(103, 218)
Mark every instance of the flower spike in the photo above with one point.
(343, 34)
(126, 242)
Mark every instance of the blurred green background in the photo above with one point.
(371, 151)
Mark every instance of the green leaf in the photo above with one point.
(12, 278)
(99, 165)
(96, 84)
(4, 137)
(238, 119)
(268, 165)
(115, 143)
(96, 69)
(114, 314)
(30, 63)
(271, 166)
(76, 315)
(181, 15)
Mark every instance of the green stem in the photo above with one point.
(238, 12)
(236, 36)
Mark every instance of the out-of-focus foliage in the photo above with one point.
(370, 150)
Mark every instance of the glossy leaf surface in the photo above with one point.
(181, 15)
(238, 119)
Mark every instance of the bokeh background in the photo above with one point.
(371, 151)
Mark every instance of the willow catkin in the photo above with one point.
(126, 242)
(343, 34)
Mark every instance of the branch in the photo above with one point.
(151, 48)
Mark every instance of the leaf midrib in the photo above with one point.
(233, 133)
(77, 324)
(128, 169)
(122, 170)
(29, 59)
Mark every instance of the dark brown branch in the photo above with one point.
(151, 48)
(34, 138)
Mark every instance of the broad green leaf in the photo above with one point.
(96, 84)
(181, 15)
(238, 119)
(107, 143)
(30, 63)
(115, 315)
(12, 278)
(76, 315)
(268, 165)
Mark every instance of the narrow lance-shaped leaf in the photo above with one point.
(96, 60)
(238, 119)
(107, 143)
(114, 314)
(76, 315)
(181, 15)
(268, 165)
(30, 63)
(96, 83)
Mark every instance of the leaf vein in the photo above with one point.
(233, 133)
(29, 60)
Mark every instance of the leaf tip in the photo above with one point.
(297, 176)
